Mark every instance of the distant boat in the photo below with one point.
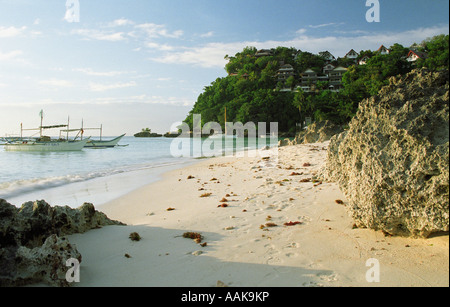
(101, 143)
(104, 144)
(44, 143)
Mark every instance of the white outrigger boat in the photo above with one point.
(101, 143)
(104, 144)
(45, 143)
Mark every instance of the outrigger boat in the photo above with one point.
(104, 144)
(45, 143)
(101, 143)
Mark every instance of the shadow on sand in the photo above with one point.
(163, 258)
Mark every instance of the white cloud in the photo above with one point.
(208, 34)
(56, 83)
(96, 87)
(155, 30)
(107, 100)
(139, 32)
(326, 25)
(121, 22)
(90, 72)
(300, 31)
(211, 55)
(11, 31)
(162, 47)
(12, 55)
(178, 101)
(101, 35)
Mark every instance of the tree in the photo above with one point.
(437, 49)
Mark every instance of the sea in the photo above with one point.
(101, 175)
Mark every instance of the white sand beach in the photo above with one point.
(247, 241)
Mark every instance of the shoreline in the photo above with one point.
(322, 249)
(98, 190)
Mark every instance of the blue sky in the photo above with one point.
(141, 63)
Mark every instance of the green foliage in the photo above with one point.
(248, 92)
(251, 91)
(438, 52)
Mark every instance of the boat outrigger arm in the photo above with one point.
(80, 132)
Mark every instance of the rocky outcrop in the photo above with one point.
(393, 162)
(32, 243)
(316, 132)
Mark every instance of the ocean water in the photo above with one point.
(100, 175)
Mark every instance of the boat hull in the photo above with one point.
(46, 146)
(104, 144)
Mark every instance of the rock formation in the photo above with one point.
(316, 132)
(393, 162)
(32, 243)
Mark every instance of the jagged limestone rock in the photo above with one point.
(317, 132)
(393, 162)
(46, 263)
(32, 244)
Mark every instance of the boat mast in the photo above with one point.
(225, 120)
(42, 118)
(67, 135)
(101, 131)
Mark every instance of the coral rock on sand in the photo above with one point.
(32, 246)
(393, 162)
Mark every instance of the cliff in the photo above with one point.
(393, 162)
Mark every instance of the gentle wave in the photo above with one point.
(19, 187)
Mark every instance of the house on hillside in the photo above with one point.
(352, 54)
(308, 78)
(335, 78)
(327, 56)
(332, 75)
(263, 52)
(414, 55)
(285, 71)
(363, 60)
(383, 50)
(327, 68)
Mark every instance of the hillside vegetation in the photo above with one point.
(252, 93)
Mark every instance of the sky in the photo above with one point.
(134, 64)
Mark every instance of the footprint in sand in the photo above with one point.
(290, 255)
(328, 278)
(292, 245)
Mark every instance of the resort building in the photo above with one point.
(332, 75)
(285, 71)
(383, 50)
(327, 68)
(263, 52)
(363, 60)
(335, 78)
(352, 54)
(327, 56)
(414, 55)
